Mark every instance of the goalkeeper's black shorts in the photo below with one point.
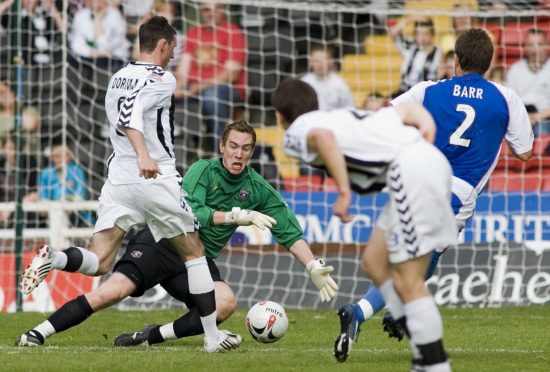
(147, 263)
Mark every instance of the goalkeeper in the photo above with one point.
(223, 193)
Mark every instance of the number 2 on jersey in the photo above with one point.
(456, 137)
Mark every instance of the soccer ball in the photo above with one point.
(266, 321)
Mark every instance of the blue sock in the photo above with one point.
(433, 264)
(374, 298)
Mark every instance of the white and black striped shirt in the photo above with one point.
(140, 96)
(369, 141)
(418, 65)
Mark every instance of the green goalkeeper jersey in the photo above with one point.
(210, 187)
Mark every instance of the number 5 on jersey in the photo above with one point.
(456, 137)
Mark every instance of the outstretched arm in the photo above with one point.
(323, 142)
(317, 270)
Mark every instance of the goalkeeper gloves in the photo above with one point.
(245, 217)
(320, 275)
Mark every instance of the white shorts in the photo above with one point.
(418, 217)
(160, 204)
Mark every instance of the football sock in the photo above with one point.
(371, 303)
(433, 264)
(72, 313)
(76, 259)
(185, 326)
(395, 306)
(426, 332)
(201, 287)
(391, 298)
(167, 331)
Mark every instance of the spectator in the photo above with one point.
(51, 184)
(7, 108)
(40, 24)
(374, 102)
(30, 125)
(448, 65)
(134, 12)
(211, 68)
(99, 33)
(171, 10)
(461, 22)
(332, 91)
(530, 78)
(421, 56)
(496, 75)
(8, 181)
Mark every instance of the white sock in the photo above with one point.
(90, 262)
(424, 321)
(395, 306)
(88, 265)
(167, 331)
(366, 308)
(393, 302)
(213, 331)
(45, 329)
(200, 282)
(59, 260)
(440, 367)
(425, 327)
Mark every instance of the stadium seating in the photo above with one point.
(375, 71)
(512, 174)
(274, 137)
(312, 182)
(515, 181)
(303, 183)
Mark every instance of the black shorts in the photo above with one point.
(147, 264)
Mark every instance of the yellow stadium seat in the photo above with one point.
(366, 74)
(380, 45)
(360, 63)
(274, 136)
(440, 5)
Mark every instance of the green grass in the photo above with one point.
(508, 339)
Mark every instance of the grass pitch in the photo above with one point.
(508, 339)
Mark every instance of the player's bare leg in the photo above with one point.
(201, 287)
(97, 260)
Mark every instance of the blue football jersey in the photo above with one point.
(473, 116)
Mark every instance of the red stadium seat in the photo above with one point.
(540, 146)
(303, 183)
(495, 29)
(507, 161)
(541, 159)
(329, 185)
(514, 33)
(513, 181)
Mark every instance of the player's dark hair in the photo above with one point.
(474, 51)
(537, 31)
(425, 23)
(58, 141)
(240, 126)
(316, 47)
(294, 97)
(153, 30)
